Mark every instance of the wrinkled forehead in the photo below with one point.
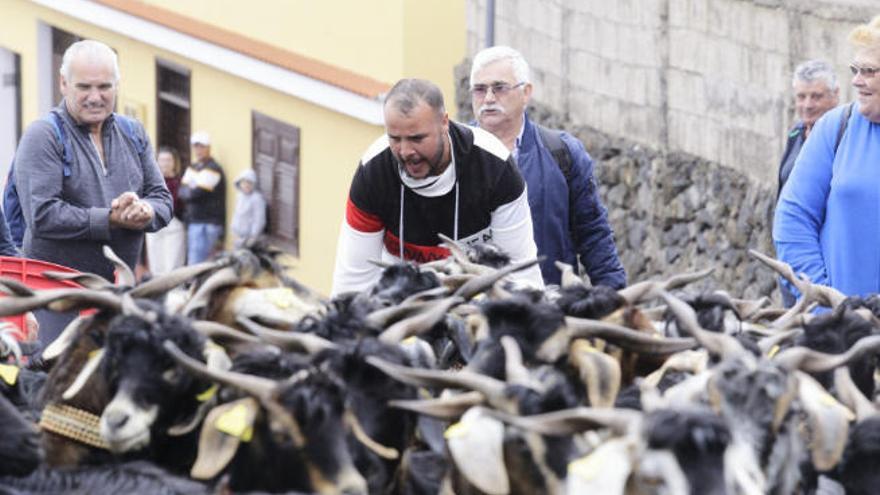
(93, 68)
(810, 87)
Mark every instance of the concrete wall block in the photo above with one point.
(583, 70)
(583, 108)
(654, 92)
(583, 33)
(771, 30)
(650, 13)
(682, 130)
(636, 85)
(639, 123)
(685, 92)
(679, 14)
(608, 42)
(684, 50)
(698, 15)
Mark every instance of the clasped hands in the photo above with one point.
(130, 212)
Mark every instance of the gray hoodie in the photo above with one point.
(249, 218)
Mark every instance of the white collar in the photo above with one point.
(432, 186)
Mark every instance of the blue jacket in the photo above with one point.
(827, 222)
(588, 234)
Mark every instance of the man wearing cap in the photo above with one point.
(203, 191)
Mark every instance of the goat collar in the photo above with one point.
(73, 423)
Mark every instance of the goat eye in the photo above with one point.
(171, 376)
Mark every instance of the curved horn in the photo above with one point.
(460, 256)
(642, 290)
(221, 278)
(851, 396)
(383, 317)
(172, 279)
(514, 370)
(447, 408)
(382, 451)
(491, 388)
(261, 388)
(569, 278)
(15, 288)
(718, 343)
(311, 344)
(219, 331)
(123, 271)
(827, 296)
(576, 420)
(87, 280)
(812, 361)
(481, 283)
(85, 373)
(627, 338)
(419, 323)
(63, 341)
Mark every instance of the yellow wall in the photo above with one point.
(384, 39)
(331, 143)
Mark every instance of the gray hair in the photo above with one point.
(496, 53)
(91, 50)
(408, 93)
(815, 70)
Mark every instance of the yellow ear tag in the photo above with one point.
(587, 467)
(234, 423)
(9, 374)
(456, 430)
(773, 351)
(281, 297)
(409, 340)
(207, 394)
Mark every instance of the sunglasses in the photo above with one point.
(866, 72)
(498, 89)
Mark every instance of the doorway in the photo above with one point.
(173, 108)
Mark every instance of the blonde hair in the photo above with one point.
(866, 35)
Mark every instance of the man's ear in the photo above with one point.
(62, 85)
(527, 91)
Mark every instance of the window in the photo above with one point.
(172, 108)
(276, 163)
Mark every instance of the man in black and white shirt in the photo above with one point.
(424, 176)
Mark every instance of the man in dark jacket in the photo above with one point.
(203, 191)
(568, 216)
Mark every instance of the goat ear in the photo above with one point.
(123, 271)
(223, 430)
(604, 470)
(444, 407)
(851, 396)
(828, 421)
(476, 444)
(85, 373)
(599, 372)
(569, 278)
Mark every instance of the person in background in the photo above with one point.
(249, 217)
(203, 192)
(166, 249)
(568, 216)
(428, 175)
(815, 92)
(827, 221)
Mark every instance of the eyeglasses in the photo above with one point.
(866, 72)
(499, 89)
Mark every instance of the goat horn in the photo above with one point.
(85, 373)
(447, 408)
(87, 280)
(642, 290)
(259, 387)
(828, 296)
(514, 370)
(382, 451)
(383, 317)
(811, 361)
(569, 278)
(63, 341)
(311, 344)
(174, 278)
(419, 323)
(130, 308)
(851, 396)
(718, 343)
(766, 344)
(627, 338)
(219, 331)
(15, 288)
(123, 271)
(221, 278)
(575, 420)
(491, 388)
(459, 255)
(482, 282)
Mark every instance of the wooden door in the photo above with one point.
(276, 163)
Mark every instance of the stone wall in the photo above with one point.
(684, 103)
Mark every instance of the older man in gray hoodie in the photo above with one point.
(95, 186)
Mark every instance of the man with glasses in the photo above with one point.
(425, 176)
(827, 221)
(568, 216)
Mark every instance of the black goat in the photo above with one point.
(20, 451)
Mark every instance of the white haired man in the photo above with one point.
(85, 176)
(568, 217)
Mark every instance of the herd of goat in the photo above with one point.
(231, 377)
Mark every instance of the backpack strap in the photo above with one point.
(128, 128)
(61, 135)
(844, 121)
(553, 141)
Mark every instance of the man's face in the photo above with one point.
(498, 98)
(418, 139)
(812, 100)
(201, 152)
(90, 94)
(867, 85)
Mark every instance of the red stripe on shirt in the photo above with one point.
(360, 220)
(414, 252)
